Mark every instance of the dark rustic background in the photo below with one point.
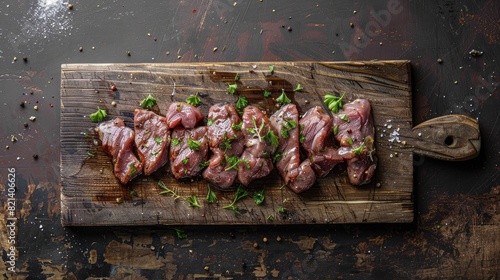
(455, 233)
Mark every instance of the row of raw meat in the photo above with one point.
(232, 149)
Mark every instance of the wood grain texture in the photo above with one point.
(89, 189)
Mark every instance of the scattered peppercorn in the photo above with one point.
(25, 59)
(22, 104)
(278, 238)
(351, 24)
(119, 200)
(35, 107)
(113, 88)
(25, 124)
(264, 239)
(256, 245)
(206, 268)
(81, 49)
(439, 60)
(113, 104)
(129, 53)
(35, 156)
(70, 6)
(289, 28)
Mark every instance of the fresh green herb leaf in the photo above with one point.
(233, 162)
(85, 134)
(282, 186)
(276, 157)
(302, 138)
(349, 140)
(335, 130)
(333, 102)
(181, 234)
(344, 117)
(247, 163)
(283, 99)
(204, 164)
(237, 77)
(231, 88)
(290, 124)
(226, 144)
(154, 153)
(133, 170)
(264, 155)
(267, 93)
(271, 68)
(167, 191)
(193, 201)
(148, 102)
(298, 87)
(256, 131)
(240, 193)
(272, 137)
(281, 210)
(258, 197)
(193, 100)
(284, 133)
(194, 145)
(185, 161)
(241, 103)
(210, 122)
(358, 150)
(211, 197)
(238, 126)
(270, 218)
(98, 116)
(158, 140)
(133, 193)
(90, 154)
(175, 142)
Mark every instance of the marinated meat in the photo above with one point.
(260, 145)
(317, 128)
(152, 139)
(226, 144)
(180, 113)
(117, 140)
(356, 136)
(298, 176)
(188, 151)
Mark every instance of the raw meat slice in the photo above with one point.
(180, 113)
(298, 176)
(317, 128)
(117, 140)
(152, 139)
(188, 151)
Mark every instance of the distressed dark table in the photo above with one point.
(453, 46)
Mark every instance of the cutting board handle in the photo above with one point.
(450, 137)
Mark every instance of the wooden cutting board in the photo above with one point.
(91, 195)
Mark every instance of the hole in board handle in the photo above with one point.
(450, 141)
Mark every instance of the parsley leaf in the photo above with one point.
(148, 102)
(276, 157)
(211, 197)
(194, 145)
(231, 88)
(185, 161)
(193, 100)
(237, 77)
(335, 130)
(271, 68)
(158, 140)
(166, 190)
(290, 124)
(358, 150)
(333, 102)
(344, 117)
(98, 116)
(237, 126)
(283, 99)
(298, 87)
(210, 122)
(349, 140)
(273, 138)
(241, 103)
(267, 93)
(175, 142)
(133, 170)
(193, 201)
(284, 133)
(258, 197)
(204, 164)
(233, 162)
(181, 234)
(240, 193)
